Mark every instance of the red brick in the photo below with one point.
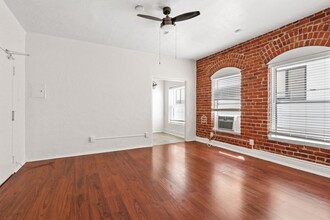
(252, 57)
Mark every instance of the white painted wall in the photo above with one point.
(12, 37)
(158, 107)
(170, 127)
(94, 90)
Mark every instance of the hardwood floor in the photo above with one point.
(177, 181)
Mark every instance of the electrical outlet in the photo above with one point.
(251, 142)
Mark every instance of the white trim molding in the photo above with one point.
(310, 167)
(175, 133)
(18, 166)
(64, 155)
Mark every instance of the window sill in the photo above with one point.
(176, 122)
(226, 131)
(299, 141)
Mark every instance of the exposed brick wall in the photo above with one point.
(252, 58)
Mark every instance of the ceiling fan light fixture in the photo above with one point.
(167, 28)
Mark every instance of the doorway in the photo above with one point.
(168, 111)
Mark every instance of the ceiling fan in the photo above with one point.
(168, 23)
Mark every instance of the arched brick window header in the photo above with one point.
(228, 60)
(312, 35)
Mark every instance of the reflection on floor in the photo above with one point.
(164, 138)
(174, 181)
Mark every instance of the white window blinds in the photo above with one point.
(177, 104)
(227, 93)
(300, 101)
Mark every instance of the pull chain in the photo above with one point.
(176, 50)
(159, 56)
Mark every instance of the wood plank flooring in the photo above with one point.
(176, 181)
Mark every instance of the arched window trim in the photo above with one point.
(226, 71)
(298, 54)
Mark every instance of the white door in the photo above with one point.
(6, 94)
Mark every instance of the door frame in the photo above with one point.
(153, 78)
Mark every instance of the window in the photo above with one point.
(226, 92)
(291, 84)
(300, 102)
(177, 104)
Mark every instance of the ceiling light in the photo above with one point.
(167, 28)
(139, 8)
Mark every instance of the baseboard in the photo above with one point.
(87, 153)
(18, 166)
(318, 169)
(173, 133)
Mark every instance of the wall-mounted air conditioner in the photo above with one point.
(228, 123)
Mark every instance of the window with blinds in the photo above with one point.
(300, 102)
(177, 104)
(226, 93)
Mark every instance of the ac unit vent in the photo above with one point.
(226, 122)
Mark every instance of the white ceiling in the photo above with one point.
(114, 22)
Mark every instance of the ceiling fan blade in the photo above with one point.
(149, 17)
(186, 16)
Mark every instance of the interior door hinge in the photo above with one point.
(14, 71)
(13, 115)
